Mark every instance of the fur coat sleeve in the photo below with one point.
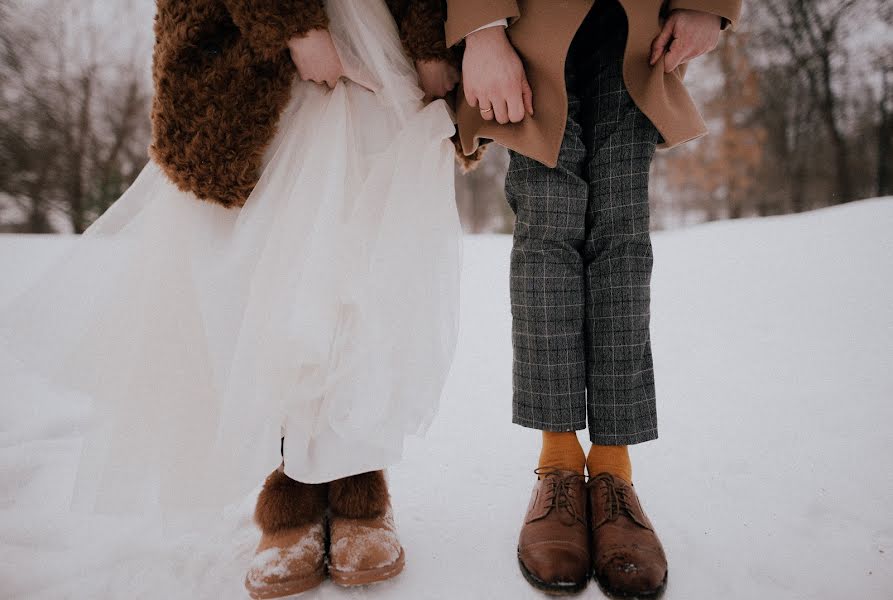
(421, 28)
(269, 24)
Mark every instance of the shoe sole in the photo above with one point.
(653, 595)
(551, 589)
(291, 587)
(370, 576)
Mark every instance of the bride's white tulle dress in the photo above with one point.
(324, 311)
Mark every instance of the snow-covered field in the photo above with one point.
(773, 477)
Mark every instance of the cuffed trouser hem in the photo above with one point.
(623, 439)
(599, 439)
(537, 424)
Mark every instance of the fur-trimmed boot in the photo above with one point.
(364, 547)
(291, 556)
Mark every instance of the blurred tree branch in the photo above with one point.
(809, 30)
(74, 122)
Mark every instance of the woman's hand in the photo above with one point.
(316, 58)
(437, 78)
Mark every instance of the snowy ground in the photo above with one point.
(773, 477)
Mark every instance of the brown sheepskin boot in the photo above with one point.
(364, 547)
(291, 556)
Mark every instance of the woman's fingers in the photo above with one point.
(438, 77)
(316, 57)
(454, 80)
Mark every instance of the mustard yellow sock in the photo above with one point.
(610, 459)
(562, 450)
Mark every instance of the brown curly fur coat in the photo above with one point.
(223, 75)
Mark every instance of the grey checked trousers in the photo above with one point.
(581, 259)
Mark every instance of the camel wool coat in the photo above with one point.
(223, 75)
(542, 31)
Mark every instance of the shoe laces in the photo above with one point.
(560, 493)
(617, 500)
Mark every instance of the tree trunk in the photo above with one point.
(885, 140)
(76, 205)
(841, 155)
(841, 163)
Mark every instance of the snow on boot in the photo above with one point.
(364, 547)
(290, 558)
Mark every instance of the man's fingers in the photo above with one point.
(672, 65)
(470, 96)
(516, 108)
(671, 62)
(703, 47)
(659, 46)
(510, 109)
(486, 110)
(693, 55)
(678, 52)
(527, 97)
(501, 112)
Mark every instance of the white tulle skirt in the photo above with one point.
(325, 311)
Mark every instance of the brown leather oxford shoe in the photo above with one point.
(553, 550)
(628, 559)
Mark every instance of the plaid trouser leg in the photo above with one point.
(581, 260)
(617, 257)
(548, 287)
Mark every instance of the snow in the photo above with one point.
(773, 477)
(273, 563)
(350, 544)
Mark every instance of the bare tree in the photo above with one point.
(885, 131)
(810, 33)
(25, 155)
(74, 125)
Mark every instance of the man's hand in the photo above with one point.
(437, 78)
(316, 58)
(493, 77)
(688, 34)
